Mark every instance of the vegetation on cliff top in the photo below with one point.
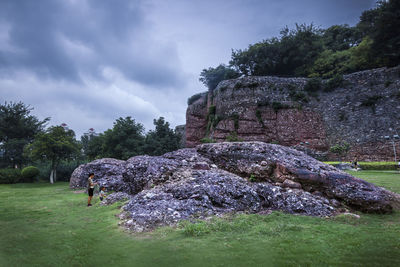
(313, 52)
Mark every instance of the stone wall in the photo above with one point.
(196, 121)
(278, 110)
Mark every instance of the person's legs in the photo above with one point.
(90, 191)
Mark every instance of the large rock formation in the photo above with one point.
(108, 171)
(213, 179)
(361, 112)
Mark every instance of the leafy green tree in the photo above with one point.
(95, 146)
(262, 58)
(382, 25)
(211, 77)
(54, 145)
(17, 129)
(330, 63)
(124, 140)
(291, 54)
(299, 49)
(92, 144)
(162, 140)
(340, 149)
(340, 37)
(362, 56)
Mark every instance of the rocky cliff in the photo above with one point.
(361, 111)
(213, 179)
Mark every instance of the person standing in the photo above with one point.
(90, 188)
(102, 193)
(355, 163)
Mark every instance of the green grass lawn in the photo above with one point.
(50, 225)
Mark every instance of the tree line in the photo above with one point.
(309, 51)
(26, 140)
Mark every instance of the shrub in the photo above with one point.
(340, 149)
(370, 165)
(211, 110)
(233, 138)
(252, 178)
(371, 101)
(378, 165)
(298, 96)
(342, 116)
(29, 173)
(388, 83)
(333, 83)
(278, 105)
(65, 169)
(238, 85)
(194, 98)
(10, 176)
(212, 119)
(313, 85)
(207, 140)
(259, 117)
(235, 118)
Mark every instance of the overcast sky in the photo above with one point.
(88, 62)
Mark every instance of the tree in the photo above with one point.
(95, 146)
(162, 139)
(124, 140)
(382, 25)
(299, 49)
(17, 129)
(330, 63)
(211, 77)
(291, 54)
(340, 37)
(262, 58)
(55, 144)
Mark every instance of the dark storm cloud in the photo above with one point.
(63, 39)
(89, 62)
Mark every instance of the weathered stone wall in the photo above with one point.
(196, 121)
(361, 112)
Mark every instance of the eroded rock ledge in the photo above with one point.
(214, 179)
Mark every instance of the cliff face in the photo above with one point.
(361, 112)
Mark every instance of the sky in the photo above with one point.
(87, 63)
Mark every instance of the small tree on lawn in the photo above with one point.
(55, 144)
(340, 150)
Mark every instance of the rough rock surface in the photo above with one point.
(115, 197)
(275, 163)
(202, 193)
(108, 172)
(364, 109)
(213, 179)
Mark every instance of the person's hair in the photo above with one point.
(90, 174)
(102, 187)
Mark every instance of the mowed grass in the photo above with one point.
(50, 225)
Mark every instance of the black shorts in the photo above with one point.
(90, 192)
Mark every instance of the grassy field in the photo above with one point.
(50, 225)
